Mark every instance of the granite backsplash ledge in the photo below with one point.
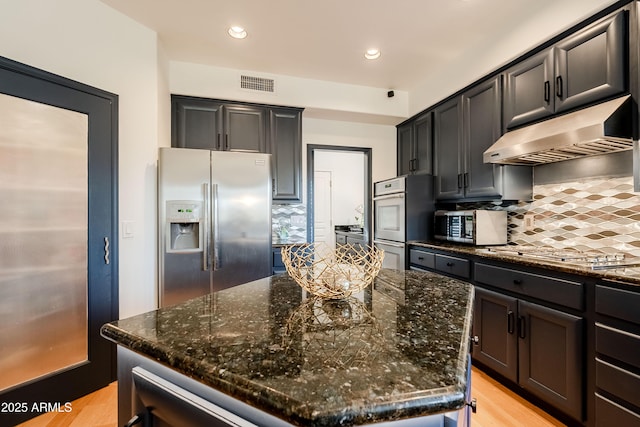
(601, 214)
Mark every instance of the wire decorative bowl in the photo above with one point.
(332, 273)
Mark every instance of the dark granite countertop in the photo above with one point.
(314, 362)
(627, 275)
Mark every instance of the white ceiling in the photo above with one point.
(326, 39)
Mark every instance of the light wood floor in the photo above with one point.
(497, 407)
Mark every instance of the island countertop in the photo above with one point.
(397, 351)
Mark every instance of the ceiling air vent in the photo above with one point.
(257, 83)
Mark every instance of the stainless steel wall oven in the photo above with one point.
(403, 210)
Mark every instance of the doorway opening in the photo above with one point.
(338, 190)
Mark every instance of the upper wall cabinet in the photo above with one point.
(464, 128)
(588, 66)
(213, 125)
(225, 125)
(415, 144)
(285, 140)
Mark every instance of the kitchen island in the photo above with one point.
(264, 353)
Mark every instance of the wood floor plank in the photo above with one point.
(497, 407)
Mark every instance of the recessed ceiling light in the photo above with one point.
(237, 32)
(372, 54)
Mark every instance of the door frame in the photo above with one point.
(49, 86)
(367, 151)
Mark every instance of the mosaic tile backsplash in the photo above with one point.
(289, 223)
(600, 214)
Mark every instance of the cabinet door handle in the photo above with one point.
(559, 86)
(421, 258)
(226, 141)
(517, 282)
(218, 142)
(459, 181)
(511, 320)
(466, 179)
(450, 264)
(547, 91)
(106, 251)
(522, 327)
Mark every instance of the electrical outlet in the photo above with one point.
(529, 222)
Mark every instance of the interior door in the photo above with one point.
(58, 253)
(322, 202)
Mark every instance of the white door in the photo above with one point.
(322, 221)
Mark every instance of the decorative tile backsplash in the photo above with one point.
(593, 214)
(289, 223)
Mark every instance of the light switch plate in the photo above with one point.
(128, 229)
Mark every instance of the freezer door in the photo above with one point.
(183, 174)
(241, 217)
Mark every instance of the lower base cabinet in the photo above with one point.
(617, 333)
(537, 347)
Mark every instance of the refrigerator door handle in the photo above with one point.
(216, 228)
(206, 235)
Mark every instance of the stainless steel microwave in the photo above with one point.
(477, 227)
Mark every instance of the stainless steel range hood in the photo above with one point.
(600, 129)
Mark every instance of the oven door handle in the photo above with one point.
(390, 196)
(395, 245)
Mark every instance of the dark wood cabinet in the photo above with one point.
(617, 358)
(495, 325)
(538, 347)
(285, 140)
(464, 128)
(415, 146)
(196, 123)
(535, 346)
(447, 126)
(581, 69)
(482, 123)
(244, 128)
(550, 356)
(212, 124)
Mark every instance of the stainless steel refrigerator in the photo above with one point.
(214, 221)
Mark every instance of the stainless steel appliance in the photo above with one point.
(592, 260)
(403, 211)
(214, 223)
(477, 227)
(600, 129)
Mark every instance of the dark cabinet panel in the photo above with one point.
(244, 128)
(285, 134)
(495, 326)
(591, 64)
(581, 69)
(447, 124)
(550, 356)
(558, 291)
(196, 124)
(415, 146)
(617, 359)
(423, 145)
(482, 127)
(464, 128)
(454, 266)
(405, 148)
(226, 125)
(609, 414)
(527, 93)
